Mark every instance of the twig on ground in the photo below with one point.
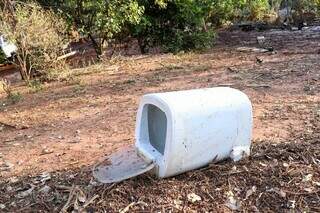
(67, 205)
(90, 201)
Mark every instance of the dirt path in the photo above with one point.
(70, 125)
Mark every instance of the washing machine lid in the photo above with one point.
(122, 165)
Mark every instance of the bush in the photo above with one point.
(39, 36)
(12, 97)
(258, 9)
(172, 24)
(187, 40)
(175, 25)
(224, 11)
(305, 10)
(3, 57)
(189, 24)
(100, 20)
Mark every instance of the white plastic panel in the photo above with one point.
(202, 125)
(121, 165)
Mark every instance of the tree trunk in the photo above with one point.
(95, 45)
(142, 45)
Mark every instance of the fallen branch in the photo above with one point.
(13, 126)
(259, 85)
(90, 201)
(301, 193)
(7, 125)
(67, 55)
(131, 205)
(225, 85)
(62, 187)
(67, 205)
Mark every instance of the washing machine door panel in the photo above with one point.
(122, 165)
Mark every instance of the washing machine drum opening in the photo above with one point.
(157, 128)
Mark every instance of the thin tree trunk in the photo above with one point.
(95, 45)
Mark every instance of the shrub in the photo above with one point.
(100, 20)
(12, 97)
(189, 40)
(172, 24)
(305, 10)
(35, 85)
(175, 25)
(223, 11)
(189, 24)
(39, 36)
(249, 10)
(3, 57)
(258, 9)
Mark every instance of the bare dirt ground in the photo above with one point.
(50, 140)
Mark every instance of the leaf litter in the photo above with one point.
(252, 187)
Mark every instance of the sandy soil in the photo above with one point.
(70, 125)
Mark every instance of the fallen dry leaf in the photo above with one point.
(192, 197)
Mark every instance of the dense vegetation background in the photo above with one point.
(172, 25)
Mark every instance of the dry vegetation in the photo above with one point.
(68, 126)
(39, 36)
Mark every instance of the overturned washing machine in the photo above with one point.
(181, 131)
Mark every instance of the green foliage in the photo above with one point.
(79, 88)
(35, 85)
(101, 20)
(223, 11)
(304, 10)
(3, 58)
(172, 24)
(189, 24)
(257, 9)
(306, 6)
(176, 25)
(188, 40)
(243, 10)
(12, 97)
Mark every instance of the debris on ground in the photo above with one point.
(192, 197)
(26, 193)
(232, 203)
(281, 184)
(252, 49)
(45, 189)
(281, 175)
(6, 166)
